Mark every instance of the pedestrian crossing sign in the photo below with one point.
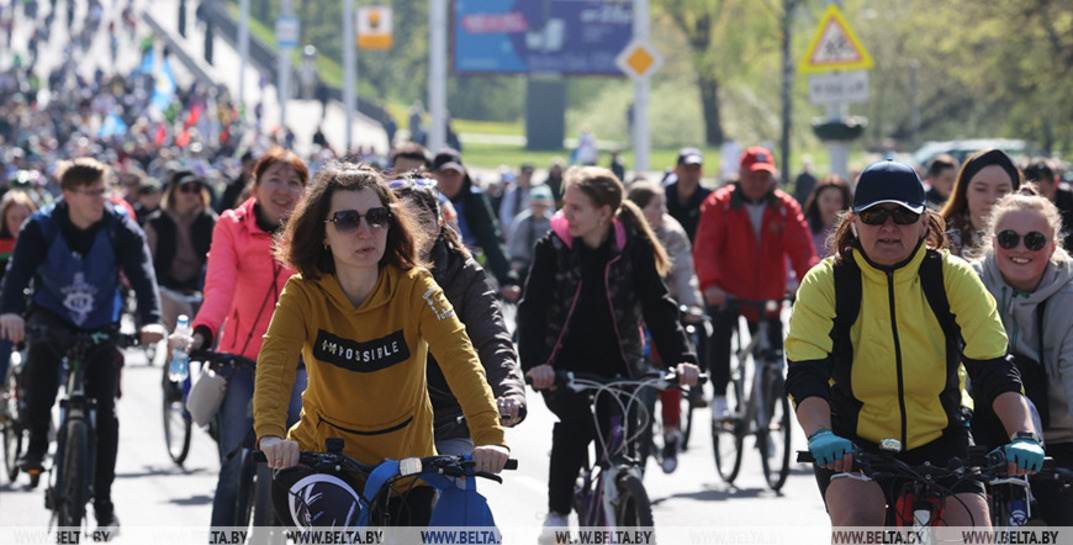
(834, 46)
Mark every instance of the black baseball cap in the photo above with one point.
(889, 182)
(690, 156)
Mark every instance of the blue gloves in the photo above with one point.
(826, 447)
(1024, 451)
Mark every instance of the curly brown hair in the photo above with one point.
(301, 245)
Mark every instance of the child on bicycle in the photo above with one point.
(595, 279)
(364, 315)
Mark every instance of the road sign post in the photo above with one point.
(837, 63)
(640, 60)
(287, 27)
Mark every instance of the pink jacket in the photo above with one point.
(242, 284)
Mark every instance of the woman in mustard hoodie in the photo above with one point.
(363, 314)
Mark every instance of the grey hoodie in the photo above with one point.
(1018, 312)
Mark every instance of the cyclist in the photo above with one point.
(828, 200)
(477, 224)
(684, 195)
(77, 290)
(683, 287)
(595, 279)
(983, 179)
(242, 286)
(363, 314)
(747, 230)
(1031, 276)
(15, 207)
(466, 287)
(876, 337)
(179, 235)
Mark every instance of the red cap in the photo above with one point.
(758, 158)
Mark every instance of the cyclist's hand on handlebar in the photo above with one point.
(693, 315)
(688, 374)
(510, 293)
(831, 451)
(12, 327)
(1024, 455)
(490, 458)
(280, 453)
(510, 411)
(543, 377)
(151, 333)
(715, 296)
(186, 343)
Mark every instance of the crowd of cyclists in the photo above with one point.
(929, 311)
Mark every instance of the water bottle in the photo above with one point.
(1018, 512)
(179, 368)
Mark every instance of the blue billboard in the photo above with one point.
(540, 36)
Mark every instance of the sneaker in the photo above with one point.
(720, 411)
(553, 522)
(696, 398)
(671, 441)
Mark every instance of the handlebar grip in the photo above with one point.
(259, 457)
(805, 457)
(512, 464)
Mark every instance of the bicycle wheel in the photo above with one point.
(728, 434)
(177, 422)
(74, 490)
(687, 420)
(15, 437)
(633, 509)
(773, 439)
(247, 490)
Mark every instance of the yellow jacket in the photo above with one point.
(893, 373)
(366, 367)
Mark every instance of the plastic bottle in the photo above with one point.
(179, 368)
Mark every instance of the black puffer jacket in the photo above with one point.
(466, 286)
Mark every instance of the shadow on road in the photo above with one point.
(157, 471)
(716, 494)
(200, 499)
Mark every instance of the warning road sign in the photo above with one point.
(834, 46)
(374, 27)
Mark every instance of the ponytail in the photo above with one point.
(631, 216)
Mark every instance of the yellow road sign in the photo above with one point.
(374, 27)
(639, 59)
(834, 46)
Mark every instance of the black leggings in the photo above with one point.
(48, 339)
(570, 440)
(414, 508)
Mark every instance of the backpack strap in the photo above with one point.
(848, 294)
(931, 281)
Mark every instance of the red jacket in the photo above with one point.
(727, 254)
(242, 283)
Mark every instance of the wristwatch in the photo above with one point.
(1027, 435)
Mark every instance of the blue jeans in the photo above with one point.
(236, 424)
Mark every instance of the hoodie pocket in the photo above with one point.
(324, 422)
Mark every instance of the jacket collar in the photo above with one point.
(904, 271)
(561, 228)
(737, 197)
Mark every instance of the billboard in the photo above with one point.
(540, 36)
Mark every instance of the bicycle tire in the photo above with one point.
(633, 508)
(687, 418)
(13, 443)
(728, 435)
(264, 513)
(776, 434)
(74, 490)
(245, 499)
(177, 423)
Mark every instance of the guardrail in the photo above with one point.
(196, 66)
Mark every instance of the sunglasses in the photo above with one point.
(403, 183)
(346, 221)
(1034, 240)
(878, 216)
(190, 187)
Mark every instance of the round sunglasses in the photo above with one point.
(1008, 239)
(878, 216)
(347, 221)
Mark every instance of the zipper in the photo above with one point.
(897, 356)
(611, 308)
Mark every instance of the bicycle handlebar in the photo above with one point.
(220, 358)
(984, 468)
(660, 379)
(449, 465)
